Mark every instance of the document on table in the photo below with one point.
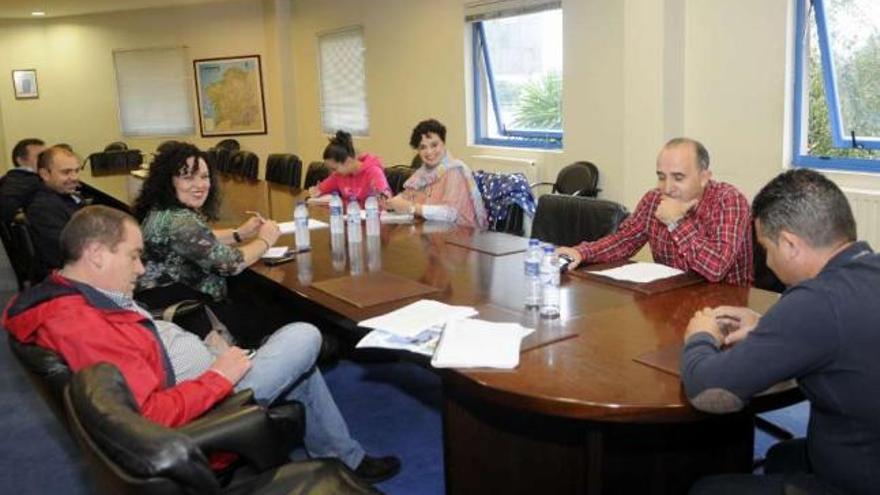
(424, 343)
(640, 272)
(472, 343)
(290, 227)
(417, 317)
(390, 217)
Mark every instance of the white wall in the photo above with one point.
(636, 73)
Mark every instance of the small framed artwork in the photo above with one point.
(229, 91)
(24, 82)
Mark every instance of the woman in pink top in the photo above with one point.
(443, 188)
(358, 176)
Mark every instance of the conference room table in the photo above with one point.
(579, 414)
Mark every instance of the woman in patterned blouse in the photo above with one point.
(181, 251)
(443, 188)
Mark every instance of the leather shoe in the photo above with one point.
(376, 469)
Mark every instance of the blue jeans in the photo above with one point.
(284, 368)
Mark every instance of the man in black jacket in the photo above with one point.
(19, 184)
(54, 202)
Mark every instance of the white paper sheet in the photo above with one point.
(423, 343)
(472, 343)
(290, 227)
(640, 272)
(390, 217)
(414, 318)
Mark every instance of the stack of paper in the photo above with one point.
(413, 319)
(290, 227)
(423, 343)
(472, 343)
(640, 272)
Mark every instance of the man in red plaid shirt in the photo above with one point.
(690, 221)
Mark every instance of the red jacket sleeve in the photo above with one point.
(135, 351)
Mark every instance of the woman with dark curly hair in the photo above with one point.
(179, 197)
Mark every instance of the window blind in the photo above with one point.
(343, 82)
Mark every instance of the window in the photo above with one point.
(517, 73)
(154, 92)
(343, 82)
(837, 85)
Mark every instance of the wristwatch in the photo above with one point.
(236, 236)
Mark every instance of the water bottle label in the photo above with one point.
(533, 270)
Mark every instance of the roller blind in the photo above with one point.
(343, 82)
(154, 87)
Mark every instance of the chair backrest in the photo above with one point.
(578, 179)
(115, 161)
(47, 370)
(24, 259)
(416, 161)
(126, 452)
(284, 169)
(316, 172)
(764, 277)
(568, 220)
(397, 175)
(116, 146)
(229, 144)
(245, 164)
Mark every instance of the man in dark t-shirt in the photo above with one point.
(823, 332)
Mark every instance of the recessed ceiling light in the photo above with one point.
(38, 13)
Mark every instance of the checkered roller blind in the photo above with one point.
(153, 87)
(343, 82)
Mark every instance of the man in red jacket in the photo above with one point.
(84, 312)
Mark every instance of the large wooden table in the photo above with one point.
(578, 415)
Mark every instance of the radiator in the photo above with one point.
(865, 204)
(506, 165)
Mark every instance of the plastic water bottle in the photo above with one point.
(549, 283)
(374, 251)
(337, 224)
(301, 224)
(337, 250)
(354, 220)
(356, 258)
(372, 207)
(533, 274)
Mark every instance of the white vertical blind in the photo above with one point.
(154, 91)
(343, 82)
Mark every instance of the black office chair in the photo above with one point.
(116, 146)
(568, 220)
(229, 144)
(245, 164)
(397, 175)
(47, 371)
(284, 169)
(115, 160)
(416, 162)
(578, 179)
(129, 454)
(29, 270)
(316, 172)
(219, 159)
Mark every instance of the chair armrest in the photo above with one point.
(234, 401)
(536, 184)
(248, 432)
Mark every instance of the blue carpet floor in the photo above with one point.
(390, 407)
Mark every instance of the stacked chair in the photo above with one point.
(578, 179)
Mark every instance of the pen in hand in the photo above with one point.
(256, 214)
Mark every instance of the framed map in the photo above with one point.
(229, 91)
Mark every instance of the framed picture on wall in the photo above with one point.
(229, 91)
(24, 83)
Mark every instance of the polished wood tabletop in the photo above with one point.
(580, 365)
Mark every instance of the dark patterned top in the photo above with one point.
(179, 246)
(501, 190)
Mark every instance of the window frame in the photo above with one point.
(515, 138)
(832, 103)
